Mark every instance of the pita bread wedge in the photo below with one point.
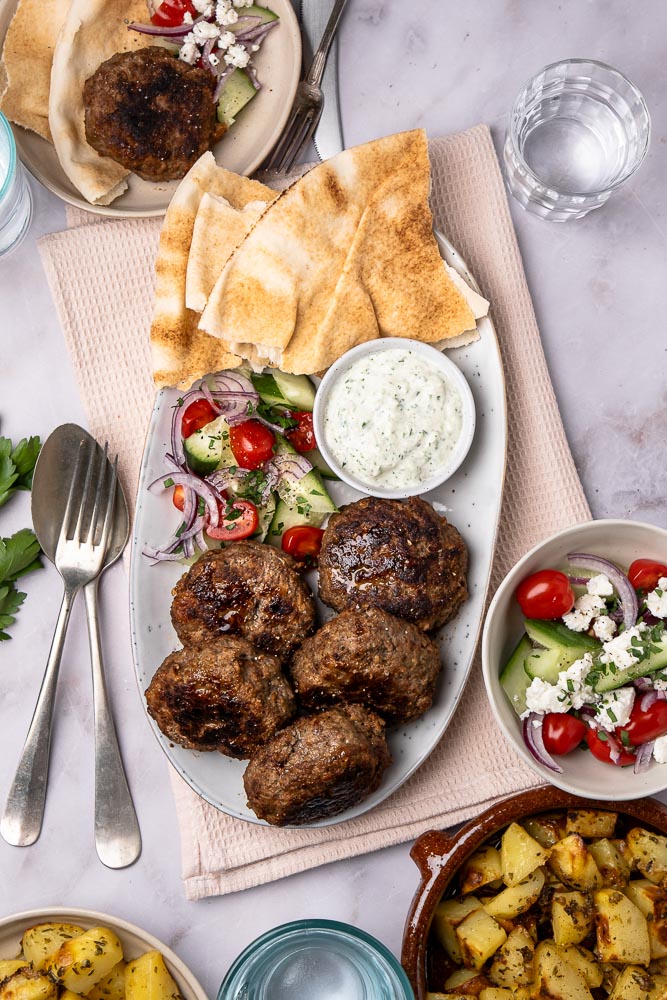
(93, 31)
(181, 352)
(345, 255)
(218, 230)
(27, 55)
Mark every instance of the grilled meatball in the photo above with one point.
(371, 658)
(317, 767)
(151, 112)
(222, 695)
(397, 555)
(245, 589)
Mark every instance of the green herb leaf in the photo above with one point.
(19, 554)
(17, 466)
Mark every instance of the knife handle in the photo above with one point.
(316, 71)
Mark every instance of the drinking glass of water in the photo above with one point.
(15, 197)
(577, 131)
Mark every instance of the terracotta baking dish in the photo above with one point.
(439, 855)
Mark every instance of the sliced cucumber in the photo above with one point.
(287, 517)
(209, 448)
(235, 94)
(308, 493)
(513, 678)
(548, 663)
(609, 681)
(265, 515)
(254, 11)
(555, 635)
(278, 388)
(316, 459)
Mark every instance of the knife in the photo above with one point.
(313, 16)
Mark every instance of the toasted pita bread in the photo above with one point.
(27, 55)
(218, 230)
(345, 255)
(93, 31)
(181, 352)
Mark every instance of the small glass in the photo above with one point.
(15, 197)
(316, 960)
(577, 131)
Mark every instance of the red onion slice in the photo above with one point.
(625, 590)
(643, 758)
(291, 467)
(197, 485)
(648, 699)
(534, 740)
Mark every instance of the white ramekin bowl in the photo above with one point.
(438, 361)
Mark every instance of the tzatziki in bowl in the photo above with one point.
(394, 417)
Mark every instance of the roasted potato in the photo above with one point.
(111, 987)
(28, 984)
(573, 863)
(621, 929)
(517, 899)
(652, 901)
(590, 823)
(512, 963)
(147, 978)
(447, 917)
(555, 978)
(80, 963)
(42, 941)
(520, 854)
(9, 965)
(611, 864)
(571, 917)
(482, 868)
(479, 936)
(649, 853)
(466, 981)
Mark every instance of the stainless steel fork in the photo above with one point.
(82, 543)
(308, 103)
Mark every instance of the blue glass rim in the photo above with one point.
(340, 929)
(11, 145)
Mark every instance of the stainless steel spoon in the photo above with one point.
(117, 835)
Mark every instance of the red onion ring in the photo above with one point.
(197, 485)
(647, 700)
(643, 759)
(291, 467)
(534, 740)
(625, 590)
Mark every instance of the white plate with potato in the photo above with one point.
(53, 954)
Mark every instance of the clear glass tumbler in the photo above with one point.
(577, 130)
(15, 197)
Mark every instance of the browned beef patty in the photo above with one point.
(398, 555)
(222, 695)
(317, 767)
(245, 589)
(371, 658)
(151, 112)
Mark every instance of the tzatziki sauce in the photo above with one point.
(392, 419)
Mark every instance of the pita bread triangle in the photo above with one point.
(181, 352)
(345, 255)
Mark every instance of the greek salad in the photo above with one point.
(221, 36)
(590, 670)
(243, 463)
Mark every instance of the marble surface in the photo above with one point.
(597, 286)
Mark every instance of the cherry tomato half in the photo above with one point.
(562, 733)
(601, 746)
(302, 436)
(237, 520)
(645, 573)
(252, 443)
(303, 542)
(170, 13)
(178, 498)
(644, 726)
(196, 416)
(545, 594)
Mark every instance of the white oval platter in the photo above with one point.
(471, 500)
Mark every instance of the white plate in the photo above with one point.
(134, 940)
(470, 500)
(242, 149)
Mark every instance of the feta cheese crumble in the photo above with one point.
(656, 601)
(614, 708)
(226, 39)
(660, 750)
(584, 611)
(620, 650)
(600, 585)
(237, 56)
(604, 628)
(189, 51)
(204, 30)
(570, 691)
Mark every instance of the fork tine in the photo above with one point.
(67, 526)
(302, 133)
(110, 501)
(92, 527)
(76, 537)
(279, 150)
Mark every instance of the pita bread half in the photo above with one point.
(181, 352)
(219, 229)
(27, 55)
(93, 31)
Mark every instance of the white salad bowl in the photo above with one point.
(435, 359)
(621, 542)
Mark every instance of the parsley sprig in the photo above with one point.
(17, 465)
(19, 554)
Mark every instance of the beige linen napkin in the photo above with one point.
(101, 276)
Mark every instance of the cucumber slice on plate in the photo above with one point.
(555, 635)
(286, 517)
(609, 681)
(237, 91)
(254, 11)
(265, 515)
(308, 494)
(209, 448)
(278, 388)
(513, 678)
